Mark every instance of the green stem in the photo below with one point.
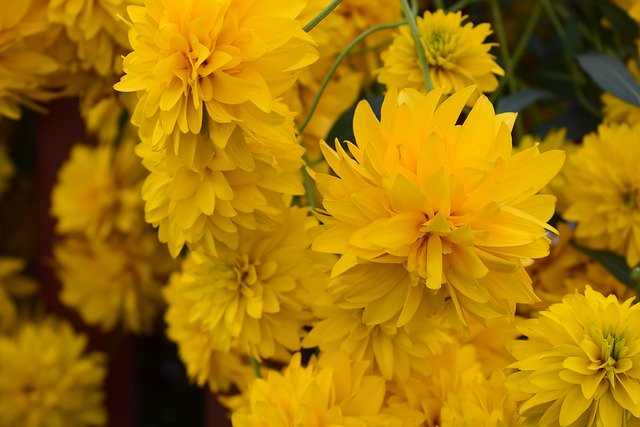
(308, 186)
(439, 4)
(504, 47)
(255, 365)
(327, 10)
(345, 52)
(410, 19)
(460, 5)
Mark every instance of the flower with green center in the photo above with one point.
(456, 54)
(580, 363)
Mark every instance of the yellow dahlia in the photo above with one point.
(14, 287)
(204, 362)
(580, 363)
(455, 51)
(211, 68)
(114, 282)
(603, 190)
(332, 391)
(615, 109)
(255, 295)
(47, 378)
(448, 202)
(208, 207)
(23, 66)
(98, 191)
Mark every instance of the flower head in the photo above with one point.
(46, 378)
(448, 202)
(580, 363)
(209, 67)
(603, 190)
(456, 53)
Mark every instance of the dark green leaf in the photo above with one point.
(614, 263)
(611, 75)
(520, 100)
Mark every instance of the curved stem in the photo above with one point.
(255, 365)
(336, 64)
(308, 186)
(326, 11)
(410, 19)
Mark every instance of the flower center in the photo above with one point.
(246, 275)
(631, 198)
(440, 48)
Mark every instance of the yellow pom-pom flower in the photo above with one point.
(331, 391)
(603, 190)
(455, 51)
(580, 363)
(204, 362)
(208, 207)
(449, 203)
(47, 379)
(212, 67)
(254, 297)
(98, 191)
(114, 282)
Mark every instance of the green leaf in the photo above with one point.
(614, 263)
(520, 100)
(611, 75)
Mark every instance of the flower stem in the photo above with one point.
(460, 5)
(255, 365)
(318, 19)
(410, 19)
(308, 186)
(504, 47)
(439, 4)
(336, 64)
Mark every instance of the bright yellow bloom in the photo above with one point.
(47, 379)
(94, 26)
(615, 109)
(114, 282)
(23, 68)
(332, 391)
(208, 207)
(98, 191)
(448, 202)
(603, 190)
(253, 297)
(456, 53)
(213, 68)
(580, 363)
(13, 287)
(205, 364)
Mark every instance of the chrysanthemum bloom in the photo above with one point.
(23, 67)
(95, 29)
(114, 282)
(456, 53)
(615, 109)
(447, 202)
(98, 191)
(603, 190)
(204, 362)
(207, 208)
(13, 287)
(212, 67)
(567, 270)
(555, 139)
(254, 297)
(47, 379)
(330, 391)
(580, 363)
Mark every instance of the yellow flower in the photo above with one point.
(47, 379)
(456, 53)
(94, 27)
(98, 191)
(23, 67)
(204, 363)
(13, 288)
(209, 207)
(114, 282)
(253, 297)
(615, 109)
(580, 363)
(212, 68)
(447, 202)
(603, 190)
(631, 6)
(332, 391)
